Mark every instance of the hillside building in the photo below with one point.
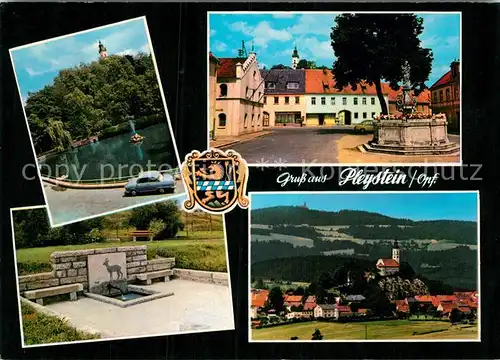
(103, 52)
(390, 266)
(295, 58)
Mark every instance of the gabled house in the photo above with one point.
(341, 311)
(325, 311)
(402, 306)
(390, 266)
(258, 300)
(292, 301)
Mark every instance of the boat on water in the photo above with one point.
(136, 138)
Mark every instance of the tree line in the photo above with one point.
(94, 99)
(32, 228)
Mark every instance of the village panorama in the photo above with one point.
(325, 268)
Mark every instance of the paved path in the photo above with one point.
(294, 145)
(67, 205)
(193, 307)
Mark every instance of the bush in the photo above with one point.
(39, 328)
(198, 256)
(33, 267)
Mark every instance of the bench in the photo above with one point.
(148, 277)
(39, 294)
(140, 233)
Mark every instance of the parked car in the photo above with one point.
(150, 181)
(365, 126)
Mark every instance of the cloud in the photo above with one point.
(32, 72)
(314, 49)
(219, 46)
(143, 49)
(262, 33)
(308, 24)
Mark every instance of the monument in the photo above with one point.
(107, 273)
(410, 133)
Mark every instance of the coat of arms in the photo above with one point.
(215, 180)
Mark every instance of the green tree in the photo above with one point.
(317, 335)
(116, 221)
(306, 64)
(280, 66)
(374, 47)
(260, 284)
(275, 299)
(455, 316)
(167, 211)
(156, 227)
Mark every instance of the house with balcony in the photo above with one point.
(445, 96)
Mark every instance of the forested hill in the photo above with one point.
(297, 215)
(94, 99)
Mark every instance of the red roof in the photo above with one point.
(445, 79)
(464, 309)
(446, 298)
(311, 299)
(213, 57)
(319, 81)
(343, 308)
(423, 298)
(362, 311)
(293, 298)
(389, 263)
(309, 305)
(447, 307)
(227, 67)
(259, 298)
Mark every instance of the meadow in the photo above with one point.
(370, 330)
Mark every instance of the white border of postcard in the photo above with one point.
(249, 319)
(153, 57)
(18, 297)
(277, 165)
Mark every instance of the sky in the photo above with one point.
(414, 206)
(37, 65)
(275, 35)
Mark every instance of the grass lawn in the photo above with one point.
(209, 255)
(389, 329)
(40, 328)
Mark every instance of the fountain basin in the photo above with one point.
(412, 137)
(132, 296)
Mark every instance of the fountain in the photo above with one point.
(135, 138)
(410, 133)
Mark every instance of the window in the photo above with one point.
(292, 85)
(355, 115)
(265, 99)
(363, 101)
(270, 85)
(253, 123)
(276, 100)
(287, 100)
(323, 101)
(258, 120)
(373, 115)
(334, 115)
(344, 101)
(246, 92)
(448, 94)
(355, 101)
(373, 100)
(456, 94)
(364, 115)
(223, 90)
(441, 96)
(436, 97)
(265, 119)
(259, 96)
(254, 73)
(222, 119)
(313, 101)
(297, 100)
(245, 121)
(332, 101)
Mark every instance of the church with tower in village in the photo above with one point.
(390, 266)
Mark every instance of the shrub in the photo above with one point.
(39, 328)
(198, 256)
(33, 267)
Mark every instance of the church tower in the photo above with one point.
(295, 58)
(103, 52)
(396, 252)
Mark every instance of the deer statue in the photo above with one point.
(113, 268)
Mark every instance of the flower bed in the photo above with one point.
(415, 116)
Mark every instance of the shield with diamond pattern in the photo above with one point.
(215, 180)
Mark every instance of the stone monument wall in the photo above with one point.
(71, 267)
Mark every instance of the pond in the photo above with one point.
(114, 158)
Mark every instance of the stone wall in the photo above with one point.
(218, 278)
(70, 267)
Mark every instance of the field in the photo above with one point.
(209, 255)
(375, 330)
